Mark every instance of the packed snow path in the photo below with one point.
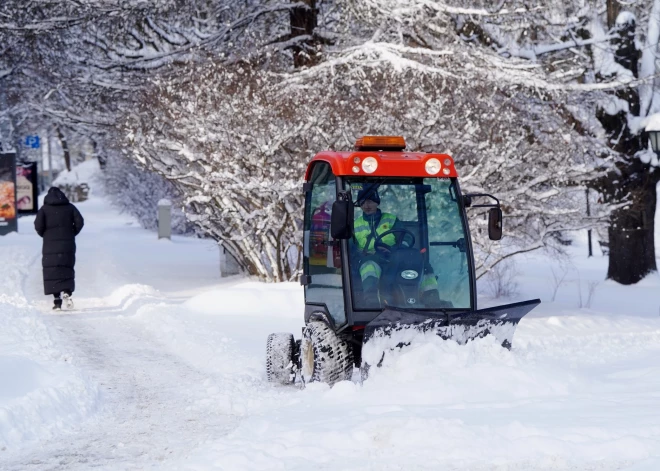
(147, 394)
(161, 366)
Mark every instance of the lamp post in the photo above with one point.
(654, 137)
(653, 130)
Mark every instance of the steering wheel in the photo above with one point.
(404, 233)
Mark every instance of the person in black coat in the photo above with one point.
(58, 222)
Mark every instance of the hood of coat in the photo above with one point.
(55, 197)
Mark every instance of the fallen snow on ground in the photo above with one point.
(41, 391)
(161, 366)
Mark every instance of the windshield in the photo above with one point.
(409, 245)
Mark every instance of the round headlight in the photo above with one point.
(432, 166)
(447, 162)
(446, 171)
(356, 169)
(409, 274)
(369, 165)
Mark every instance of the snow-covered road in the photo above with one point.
(161, 366)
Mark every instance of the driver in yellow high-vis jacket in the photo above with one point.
(366, 229)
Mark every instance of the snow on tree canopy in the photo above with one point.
(626, 17)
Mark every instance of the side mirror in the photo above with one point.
(494, 223)
(341, 222)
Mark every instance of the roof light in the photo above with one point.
(432, 166)
(369, 165)
(380, 143)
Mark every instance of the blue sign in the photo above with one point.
(32, 142)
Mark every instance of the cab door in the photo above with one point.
(322, 268)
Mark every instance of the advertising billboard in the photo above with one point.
(7, 193)
(27, 188)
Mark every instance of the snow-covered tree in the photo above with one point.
(137, 192)
(605, 50)
(74, 68)
(229, 99)
(237, 139)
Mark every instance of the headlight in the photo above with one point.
(369, 165)
(432, 166)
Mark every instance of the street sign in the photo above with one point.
(33, 142)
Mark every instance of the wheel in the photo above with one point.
(324, 357)
(280, 349)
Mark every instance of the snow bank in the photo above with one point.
(41, 392)
(553, 402)
(438, 405)
(250, 298)
(84, 172)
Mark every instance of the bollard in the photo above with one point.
(228, 264)
(165, 219)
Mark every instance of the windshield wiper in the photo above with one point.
(373, 189)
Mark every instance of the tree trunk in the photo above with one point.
(631, 233)
(65, 149)
(303, 22)
(612, 12)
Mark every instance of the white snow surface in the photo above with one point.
(161, 366)
(652, 122)
(84, 172)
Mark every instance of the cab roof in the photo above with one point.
(384, 156)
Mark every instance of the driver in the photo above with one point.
(366, 230)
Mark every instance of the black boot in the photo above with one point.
(57, 305)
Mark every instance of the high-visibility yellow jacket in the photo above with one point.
(363, 228)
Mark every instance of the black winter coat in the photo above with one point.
(58, 222)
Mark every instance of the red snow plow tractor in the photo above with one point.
(386, 248)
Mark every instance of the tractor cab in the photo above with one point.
(386, 228)
(408, 248)
(386, 247)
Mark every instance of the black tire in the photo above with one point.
(324, 357)
(280, 348)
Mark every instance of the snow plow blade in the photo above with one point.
(498, 321)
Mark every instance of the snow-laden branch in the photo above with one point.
(399, 9)
(45, 25)
(532, 53)
(149, 57)
(74, 118)
(374, 55)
